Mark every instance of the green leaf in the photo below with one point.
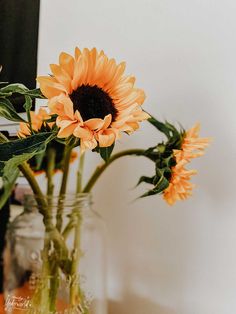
(9, 180)
(32, 144)
(13, 88)
(8, 112)
(105, 152)
(35, 93)
(20, 89)
(11, 173)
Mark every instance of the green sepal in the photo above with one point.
(105, 152)
(173, 135)
(160, 186)
(52, 118)
(145, 179)
(162, 127)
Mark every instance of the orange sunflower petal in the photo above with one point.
(67, 63)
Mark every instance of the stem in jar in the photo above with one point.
(60, 207)
(74, 286)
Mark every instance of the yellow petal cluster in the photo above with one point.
(193, 146)
(37, 121)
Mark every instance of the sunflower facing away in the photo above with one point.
(38, 123)
(192, 146)
(94, 101)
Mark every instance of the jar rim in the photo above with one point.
(68, 200)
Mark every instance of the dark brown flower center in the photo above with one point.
(93, 102)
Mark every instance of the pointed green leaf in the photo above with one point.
(8, 112)
(32, 144)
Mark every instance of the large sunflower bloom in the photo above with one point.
(94, 101)
(192, 146)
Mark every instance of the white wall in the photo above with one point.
(164, 260)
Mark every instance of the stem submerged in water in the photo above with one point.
(74, 288)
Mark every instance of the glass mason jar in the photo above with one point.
(54, 261)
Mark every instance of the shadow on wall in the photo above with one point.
(137, 305)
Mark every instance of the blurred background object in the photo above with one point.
(19, 41)
(19, 21)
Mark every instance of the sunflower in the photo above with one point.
(38, 121)
(192, 146)
(94, 101)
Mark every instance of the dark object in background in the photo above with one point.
(4, 218)
(19, 21)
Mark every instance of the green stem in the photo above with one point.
(51, 158)
(80, 173)
(101, 168)
(53, 233)
(44, 297)
(29, 175)
(3, 138)
(74, 289)
(54, 283)
(66, 164)
(53, 268)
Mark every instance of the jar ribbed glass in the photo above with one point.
(59, 268)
